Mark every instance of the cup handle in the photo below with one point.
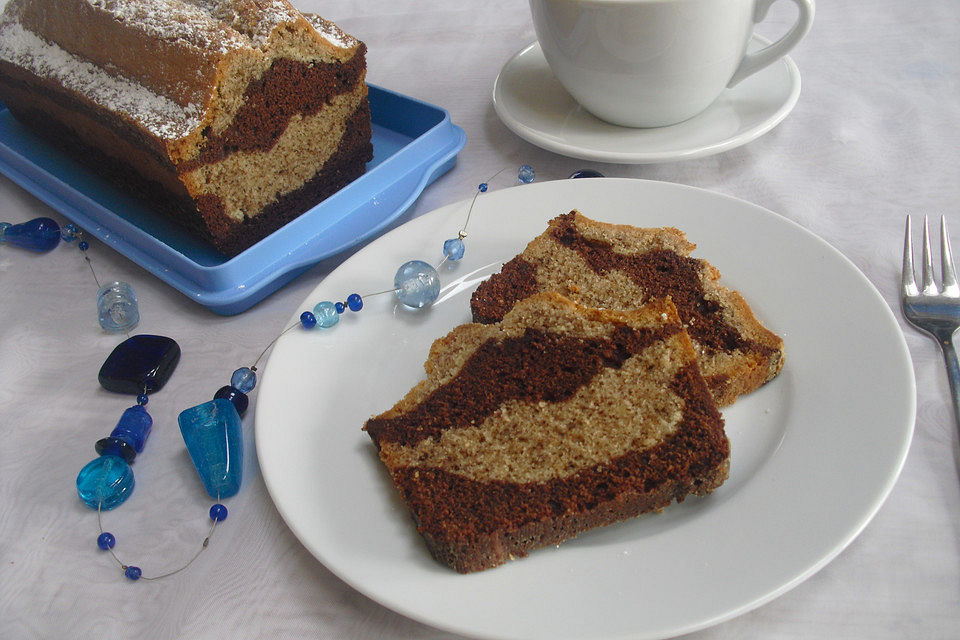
(753, 62)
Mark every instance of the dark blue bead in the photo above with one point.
(355, 302)
(113, 446)
(218, 512)
(140, 364)
(106, 541)
(340, 307)
(586, 173)
(142, 399)
(133, 573)
(308, 320)
(238, 398)
(83, 245)
(482, 187)
(39, 234)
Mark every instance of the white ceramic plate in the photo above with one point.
(531, 102)
(815, 452)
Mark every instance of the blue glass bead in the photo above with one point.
(140, 363)
(212, 433)
(453, 248)
(69, 232)
(134, 427)
(111, 446)
(143, 399)
(340, 307)
(417, 284)
(586, 173)
(218, 512)
(106, 540)
(83, 245)
(308, 320)
(105, 482)
(326, 313)
(234, 395)
(483, 187)
(117, 307)
(526, 174)
(133, 573)
(3, 231)
(39, 234)
(244, 379)
(355, 302)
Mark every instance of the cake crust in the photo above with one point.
(558, 419)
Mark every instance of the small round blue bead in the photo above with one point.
(244, 379)
(83, 245)
(483, 187)
(326, 313)
(453, 248)
(355, 302)
(526, 174)
(340, 307)
(142, 399)
(69, 232)
(106, 541)
(218, 512)
(308, 320)
(133, 573)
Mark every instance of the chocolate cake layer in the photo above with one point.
(514, 518)
(620, 267)
(555, 420)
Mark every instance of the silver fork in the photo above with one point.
(931, 308)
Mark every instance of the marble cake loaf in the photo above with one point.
(621, 266)
(558, 419)
(231, 116)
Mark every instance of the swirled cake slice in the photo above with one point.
(555, 420)
(620, 267)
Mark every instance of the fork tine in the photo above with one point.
(947, 271)
(929, 286)
(908, 283)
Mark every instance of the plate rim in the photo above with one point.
(839, 545)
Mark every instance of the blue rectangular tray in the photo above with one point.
(413, 144)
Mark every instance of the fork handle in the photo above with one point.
(953, 374)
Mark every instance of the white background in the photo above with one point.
(873, 137)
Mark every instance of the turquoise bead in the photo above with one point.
(417, 284)
(212, 433)
(326, 314)
(105, 482)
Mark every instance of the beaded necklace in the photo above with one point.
(142, 364)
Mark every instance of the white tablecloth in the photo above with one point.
(875, 135)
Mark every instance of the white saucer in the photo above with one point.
(532, 103)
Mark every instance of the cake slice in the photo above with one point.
(621, 267)
(558, 419)
(231, 116)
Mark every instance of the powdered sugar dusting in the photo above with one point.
(173, 20)
(331, 32)
(158, 115)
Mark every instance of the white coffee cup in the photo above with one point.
(653, 63)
